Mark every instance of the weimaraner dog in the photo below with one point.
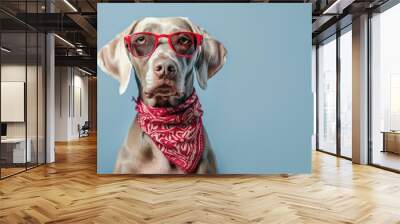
(166, 54)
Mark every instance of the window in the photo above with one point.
(327, 95)
(346, 92)
(334, 138)
(385, 89)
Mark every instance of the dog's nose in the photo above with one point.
(165, 69)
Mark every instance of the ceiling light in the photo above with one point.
(5, 50)
(79, 51)
(338, 6)
(84, 71)
(329, 9)
(70, 5)
(65, 41)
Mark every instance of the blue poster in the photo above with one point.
(204, 88)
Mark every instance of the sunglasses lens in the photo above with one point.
(142, 44)
(184, 43)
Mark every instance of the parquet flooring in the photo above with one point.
(10, 171)
(70, 191)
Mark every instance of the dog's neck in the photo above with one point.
(170, 101)
(165, 126)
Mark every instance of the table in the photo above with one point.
(18, 150)
(391, 141)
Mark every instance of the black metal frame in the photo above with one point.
(0, 89)
(44, 70)
(369, 83)
(26, 89)
(37, 90)
(338, 98)
(316, 97)
(45, 89)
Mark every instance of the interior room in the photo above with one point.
(50, 129)
(22, 99)
(24, 66)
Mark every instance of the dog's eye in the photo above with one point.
(140, 40)
(184, 41)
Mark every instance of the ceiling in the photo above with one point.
(75, 23)
(75, 28)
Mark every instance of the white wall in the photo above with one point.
(15, 72)
(12, 73)
(79, 117)
(61, 103)
(71, 93)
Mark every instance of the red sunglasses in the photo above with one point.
(143, 44)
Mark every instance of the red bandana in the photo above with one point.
(176, 131)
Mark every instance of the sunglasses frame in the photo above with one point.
(128, 39)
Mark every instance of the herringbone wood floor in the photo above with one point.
(70, 191)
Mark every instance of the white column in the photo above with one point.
(360, 90)
(50, 92)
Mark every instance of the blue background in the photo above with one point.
(257, 109)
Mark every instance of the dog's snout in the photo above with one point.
(165, 69)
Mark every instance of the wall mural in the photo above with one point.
(204, 88)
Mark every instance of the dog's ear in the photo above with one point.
(211, 57)
(114, 60)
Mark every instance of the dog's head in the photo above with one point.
(164, 64)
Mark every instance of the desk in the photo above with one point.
(391, 141)
(16, 147)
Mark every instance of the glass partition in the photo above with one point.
(22, 89)
(14, 153)
(31, 100)
(385, 89)
(346, 92)
(327, 95)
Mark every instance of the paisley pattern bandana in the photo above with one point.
(177, 131)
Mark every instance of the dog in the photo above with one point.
(166, 54)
